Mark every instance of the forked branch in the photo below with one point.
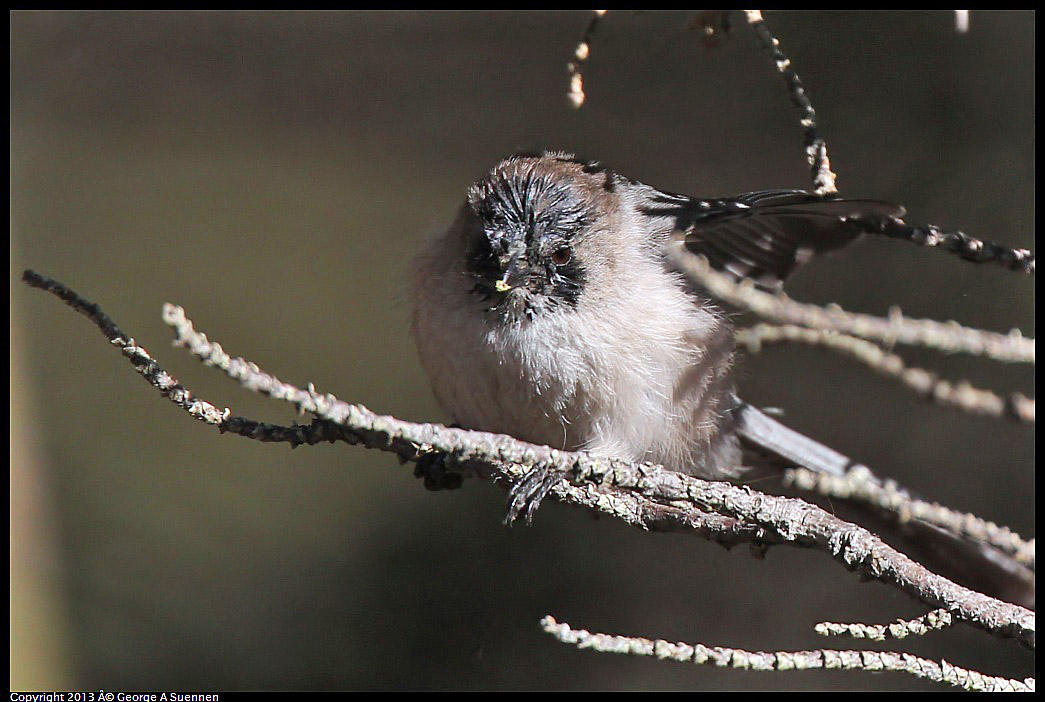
(642, 494)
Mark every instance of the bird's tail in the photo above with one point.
(974, 564)
(762, 433)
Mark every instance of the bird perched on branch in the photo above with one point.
(550, 311)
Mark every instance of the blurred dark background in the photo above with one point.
(275, 172)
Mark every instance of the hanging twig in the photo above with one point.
(580, 55)
(957, 242)
(824, 180)
(816, 147)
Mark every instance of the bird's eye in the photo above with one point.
(561, 256)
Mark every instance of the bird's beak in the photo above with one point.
(515, 269)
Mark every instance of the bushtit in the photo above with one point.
(548, 311)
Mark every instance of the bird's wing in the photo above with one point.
(764, 236)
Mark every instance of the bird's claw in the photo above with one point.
(526, 495)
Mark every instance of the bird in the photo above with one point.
(549, 310)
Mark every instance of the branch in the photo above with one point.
(949, 337)
(816, 148)
(900, 629)
(855, 485)
(927, 385)
(641, 494)
(581, 54)
(723, 657)
(958, 243)
(824, 180)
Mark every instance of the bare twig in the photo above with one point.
(713, 25)
(139, 358)
(580, 55)
(824, 180)
(949, 337)
(723, 657)
(927, 385)
(606, 485)
(958, 243)
(816, 148)
(887, 497)
(900, 629)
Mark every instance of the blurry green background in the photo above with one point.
(275, 172)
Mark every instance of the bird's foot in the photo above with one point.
(526, 495)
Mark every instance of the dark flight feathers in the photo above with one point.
(764, 236)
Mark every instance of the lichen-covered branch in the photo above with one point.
(948, 337)
(642, 494)
(900, 629)
(886, 496)
(960, 395)
(822, 659)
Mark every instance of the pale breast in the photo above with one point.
(640, 377)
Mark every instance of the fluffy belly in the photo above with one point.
(567, 398)
(644, 397)
(480, 392)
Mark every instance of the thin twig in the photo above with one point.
(139, 358)
(949, 337)
(900, 629)
(927, 385)
(596, 483)
(816, 147)
(958, 243)
(824, 180)
(888, 498)
(580, 55)
(723, 657)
